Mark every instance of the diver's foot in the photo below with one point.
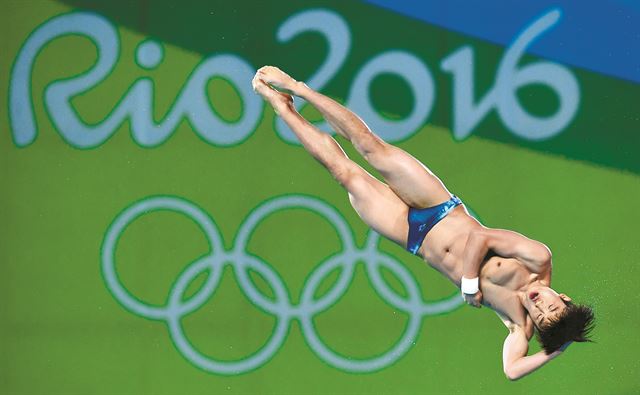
(278, 100)
(278, 78)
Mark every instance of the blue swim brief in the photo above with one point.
(422, 220)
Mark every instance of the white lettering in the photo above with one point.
(508, 79)
(137, 103)
(336, 31)
(192, 103)
(415, 73)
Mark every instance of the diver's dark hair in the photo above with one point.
(573, 325)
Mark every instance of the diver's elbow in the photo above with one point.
(511, 375)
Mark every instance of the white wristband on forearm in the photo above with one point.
(469, 285)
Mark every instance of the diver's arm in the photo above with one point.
(515, 361)
(533, 254)
(475, 250)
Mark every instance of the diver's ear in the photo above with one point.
(565, 297)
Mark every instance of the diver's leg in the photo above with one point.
(375, 203)
(412, 181)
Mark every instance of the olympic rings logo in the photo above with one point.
(281, 306)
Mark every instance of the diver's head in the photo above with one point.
(544, 304)
(557, 319)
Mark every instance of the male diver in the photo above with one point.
(500, 269)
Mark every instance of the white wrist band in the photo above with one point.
(469, 285)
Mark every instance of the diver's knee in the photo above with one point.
(345, 176)
(351, 178)
(374, 150)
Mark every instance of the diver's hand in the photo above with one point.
(564, 346)
(559, 351)
(474, 300)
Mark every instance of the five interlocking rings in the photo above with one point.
(281, 306)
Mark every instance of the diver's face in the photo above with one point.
(544, 304)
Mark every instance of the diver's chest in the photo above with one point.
(502, 271)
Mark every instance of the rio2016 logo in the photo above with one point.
(281, 306)
(192, 103)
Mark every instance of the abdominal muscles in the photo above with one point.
(443, 248)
